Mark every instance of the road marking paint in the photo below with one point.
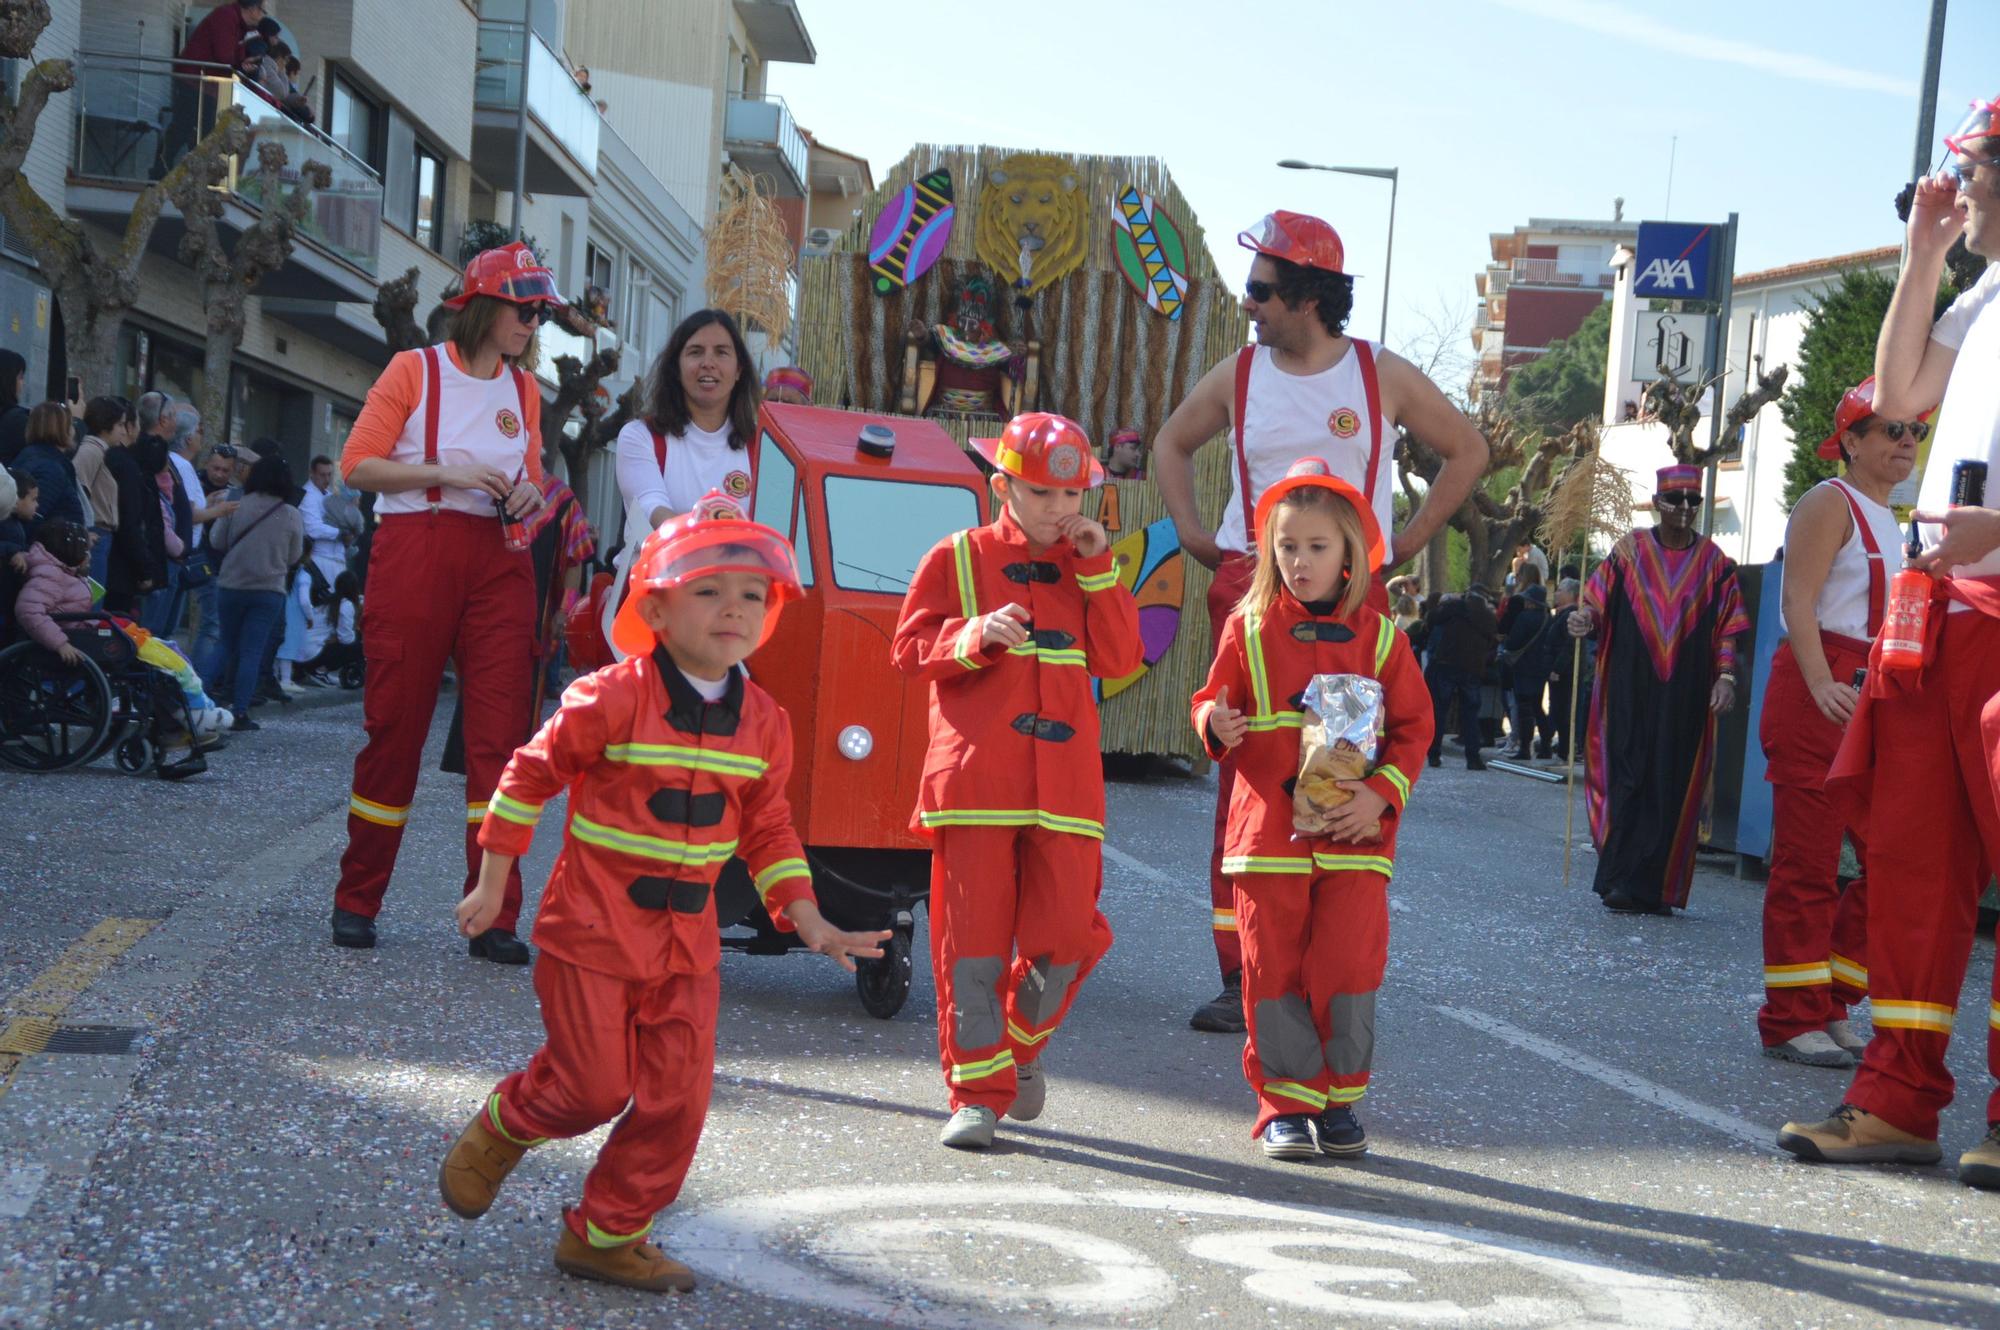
(890, 1252)
(36, 1008)
(1139, 866)
(19, 1186)
(1625, 1082)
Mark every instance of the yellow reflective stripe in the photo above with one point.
(512, 809)
(1385, 641)
(779, 872)
(694, 759)
(1911, 1015)
(599, 1238)
(1097, 581)
(649, 847)
(961, 1072)
(1012, 817)
(1305, 1094)
(1223, 921)
(1049, 655)
(1236, 864)
(1797, 976)
(1395, 777)
(383, 815)
(1345, 1094)
(1027, 1037)
(961, 556)
(1993, 1016)
(1849, 972)
(493, 1116)
(1265, 722)
(1371, 863)
(1260, 687)
(963, 652)
(475, 812)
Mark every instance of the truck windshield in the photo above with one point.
(879, 529)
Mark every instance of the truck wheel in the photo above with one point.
(884, 985)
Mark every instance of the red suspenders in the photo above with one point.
(1364, 356)
(433, 378)
(1878, 577)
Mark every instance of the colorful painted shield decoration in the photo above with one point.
(911, 232)
(1151, 566)
(1149, 251)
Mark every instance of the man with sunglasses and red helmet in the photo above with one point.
(1304, 389)
(1666, 611)
(450, 441)
(1920, 757)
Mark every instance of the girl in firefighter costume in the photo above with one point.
(1313, 915)
(674, 761)
(1009, 622)
(450, 438)
(1837, 546)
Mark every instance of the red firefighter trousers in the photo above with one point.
(613, 1042)
(1815, 961)
(441, 586)
(1015, 931)
(1314, 949)
(1936, 834)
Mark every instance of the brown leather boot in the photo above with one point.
(470, 1176)
(638, 1265)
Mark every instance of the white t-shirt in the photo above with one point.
(192, 484)
(697, 461)
(1844, 597)
(1968, 421)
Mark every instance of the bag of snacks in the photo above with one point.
(1338, 742)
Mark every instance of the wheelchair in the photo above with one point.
(54, 716)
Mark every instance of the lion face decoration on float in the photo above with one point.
(1033, 219)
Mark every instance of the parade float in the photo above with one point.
(978, 282)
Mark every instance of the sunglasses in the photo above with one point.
(1679, 499)
(1895, 429)
(540, 312)
(1259, 291)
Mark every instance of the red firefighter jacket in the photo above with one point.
(1014, 731)
(664, 789)
(1266, 661)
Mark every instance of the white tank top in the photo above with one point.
(1289, 416)
(479, 422)
(1843, 605)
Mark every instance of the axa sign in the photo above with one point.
(1675, 260)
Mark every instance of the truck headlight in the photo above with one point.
(855, 742)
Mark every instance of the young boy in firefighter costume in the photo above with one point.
(1009, 622)
(674, 761)
(1313, 914)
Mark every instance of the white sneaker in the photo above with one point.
(1031, 1091)
(209, 720)
(1842, 1033)
(971, 1128)
(1814, 1048)
(291, 689)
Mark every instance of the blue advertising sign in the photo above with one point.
(1676, 260)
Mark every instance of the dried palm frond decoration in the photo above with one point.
(750, 260)
(1593, 498)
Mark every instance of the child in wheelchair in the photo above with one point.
(57, 586)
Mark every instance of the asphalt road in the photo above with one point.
(1570, 1120)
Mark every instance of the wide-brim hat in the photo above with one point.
(1313, 472)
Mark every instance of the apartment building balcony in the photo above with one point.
(1543, 272)
(760, 135)
(776, 30)
(136, 116)
(563, 123)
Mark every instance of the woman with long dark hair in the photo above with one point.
(13, 411)
(696, 435)
(450, 439)
(259, 542)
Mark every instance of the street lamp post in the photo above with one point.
(1388, 173)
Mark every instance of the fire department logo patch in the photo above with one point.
(736, 484)
(509, 423)
(1065, 462)
(1344, 423)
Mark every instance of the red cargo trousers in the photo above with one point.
(441, 586)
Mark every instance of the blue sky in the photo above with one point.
(1799, 116)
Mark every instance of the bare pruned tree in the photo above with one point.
(1495, 527)
(1677, 405)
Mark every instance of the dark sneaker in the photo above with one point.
(1290, 1137)
(352, 930)
(1340, 1132)
(1223, 1013)
(499, 944)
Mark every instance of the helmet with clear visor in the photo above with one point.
(511, 273)
(715, 538)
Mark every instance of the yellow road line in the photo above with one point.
(34, 1011)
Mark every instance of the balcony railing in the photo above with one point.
(765, 121)
(554, 98)
(138, 115)
(1543, 272)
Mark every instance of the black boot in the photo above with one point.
(1474, 762)
(352, 930)
(1223, 1013)
(500, 945)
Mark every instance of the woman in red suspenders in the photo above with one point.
(696, 434)
(450, 437)
(1836, 584)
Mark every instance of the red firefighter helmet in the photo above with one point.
(1856, 405)
(715, 538)
(583, 630)
(511, 273)
(1981, 122)
(1315, 473)
(1296, 238)
(1043, 448)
